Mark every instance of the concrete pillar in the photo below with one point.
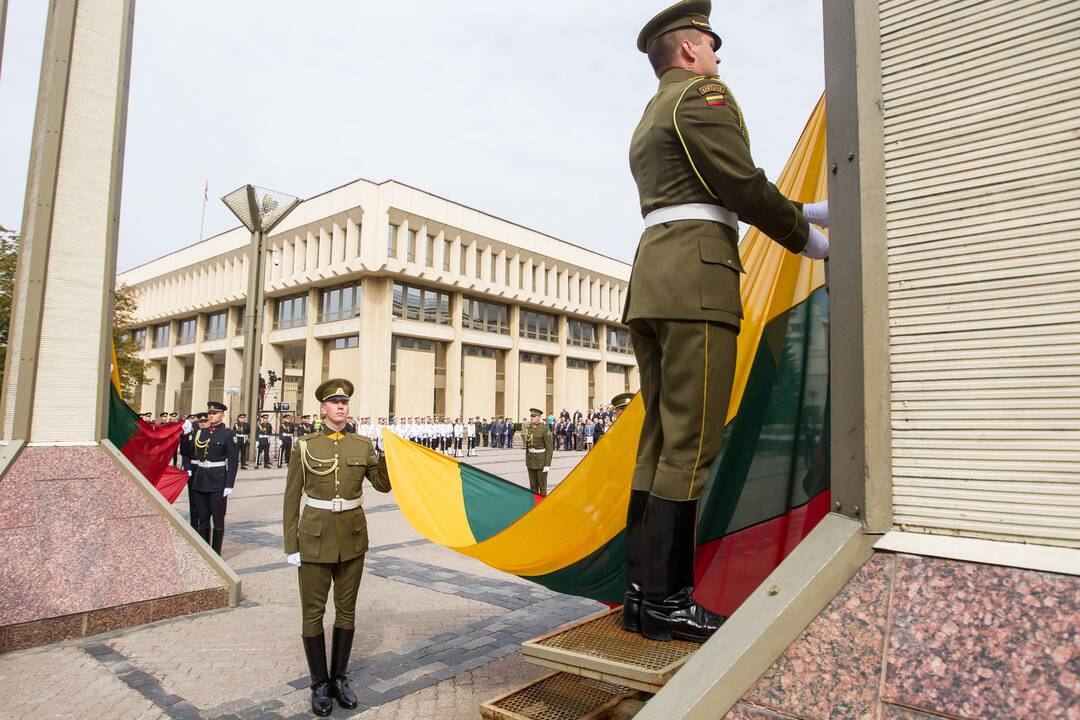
(174, 371)
(203, 370)
(603, 392)
(559, 399)
(513, 364)
(149, 390)
(352, 239)
(453, 359)
(372, 396)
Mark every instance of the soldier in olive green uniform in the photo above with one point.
(619, 403)
(538, 451)
(329, 539)
(690, 158)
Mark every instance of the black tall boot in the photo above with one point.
(340, 647)
(669, 610)
(315, 650)
(637, 550)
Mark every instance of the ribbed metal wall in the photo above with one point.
(982, 163)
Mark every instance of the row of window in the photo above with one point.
(422, 304)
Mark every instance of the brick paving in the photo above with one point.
(437, 632)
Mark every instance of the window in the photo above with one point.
(429, 256)
(619, 341)
(582, 334)
(477, 351)
(577, 363)
(391, 240)
(521, 275)
(506, 278)
(447, 250)
(161, 335)
(186, 332)
(139, 336)
(216, 325)
(410, 246)
(423, 304)
(291, 312)
(340, 303)
(342, 343)
(538, 325)
(558, 285)
(534, 358)
(485, 316)
(620, 369)
(494, 266)
(464, 259)
(416, 344)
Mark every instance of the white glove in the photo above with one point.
(293, 559)
(228, 492)
(187, 426)
(817, 213)
(546, 468)
(817, 245)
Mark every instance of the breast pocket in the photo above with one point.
(720, 274)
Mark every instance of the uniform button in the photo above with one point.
(335, 454)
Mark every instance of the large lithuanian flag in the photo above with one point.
(768, 488)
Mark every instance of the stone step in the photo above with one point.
(598, 648)
(564, 696)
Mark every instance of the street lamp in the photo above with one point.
(259, 217)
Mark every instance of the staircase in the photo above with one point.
(603, 672)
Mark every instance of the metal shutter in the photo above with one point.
(982, 166)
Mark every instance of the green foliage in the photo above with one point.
(131, 367)
(9, 255)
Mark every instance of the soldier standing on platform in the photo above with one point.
(327, 543)
(263, 431)
(690, 158)
(538, 451)
(241, 429)
(216, 463)
(286, 430)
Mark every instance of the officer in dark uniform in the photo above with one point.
(538, 451)
(216, 462)
(187, 453)
(241, 429)
(690, 158)
(263, 431)
(328, 541)
(286, 431)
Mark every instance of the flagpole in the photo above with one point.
(202, 223)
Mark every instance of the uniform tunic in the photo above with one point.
(538, 451)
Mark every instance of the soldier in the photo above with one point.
(241, 429)
(619, 403)
(286, 430)
(690, 158)
(327, 543)
(187, 452)
(263, 431)
(216, 463)
(538, 451)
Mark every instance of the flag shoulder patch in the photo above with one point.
(714, 93)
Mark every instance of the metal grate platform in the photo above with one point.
(558, 696)
(599, 648)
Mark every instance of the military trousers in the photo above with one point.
(315, 580)
(538, 481)
(687, 370)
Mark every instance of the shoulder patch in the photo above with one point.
(712, 88)
(310, 436)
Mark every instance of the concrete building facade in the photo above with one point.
(430, 307)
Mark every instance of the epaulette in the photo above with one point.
(309, 436)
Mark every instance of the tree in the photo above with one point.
(131, 367)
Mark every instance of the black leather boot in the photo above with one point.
(669, 610)
(340, 647)
(315, 650)
(636, 559)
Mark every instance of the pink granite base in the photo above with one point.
(83, 550)
(914, 638)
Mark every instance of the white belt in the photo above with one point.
(692, 211)
(543, 450)
(209, 463)
(337, 505)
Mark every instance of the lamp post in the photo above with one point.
(259, 217)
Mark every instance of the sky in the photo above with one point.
(523, 110)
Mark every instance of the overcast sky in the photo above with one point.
(520, 109)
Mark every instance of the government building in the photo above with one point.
(430, 307)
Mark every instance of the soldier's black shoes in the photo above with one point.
(668, 609)
(340, 647)
(315, 650)
(679, 617)
(636, 556)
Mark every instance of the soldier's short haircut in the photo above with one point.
(662, 50)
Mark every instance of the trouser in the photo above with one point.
(286, 450)
(315, 579)
(242, 449)
(687, 370)
(263, 454)
(485, 436)
(207, 506)
(538, 481)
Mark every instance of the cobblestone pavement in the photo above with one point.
(437, 632)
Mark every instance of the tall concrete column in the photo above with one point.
(559, 400)
(234, 363)
(105, 538)
(512, 367)
(174, 372)
(453, 359)
(203, 371)
(376, 307)
(603, 392)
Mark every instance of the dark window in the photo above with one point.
(139, 336)
(340, 303)
(485, 316)
(538, 325)
(447, 248)
(161, 335)
(345, 342)
(619, 341)
(621, 369)
(420, 303)
(582, 334)
(291, 311)
(477, 351)
(217, 325)
(535, 358)
(429, 256)
(391, 240)
(187, 331)
(577, 363)
(410, 246)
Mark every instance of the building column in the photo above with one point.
(174, 371)
(307, 404)
(203, 370)
(234, 364)
(372, 396)
(603, 392)
(512, 366)
(453, 359)
(148, 390)
(559, 399)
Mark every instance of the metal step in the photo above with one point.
(599, 648)
(559, 696)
